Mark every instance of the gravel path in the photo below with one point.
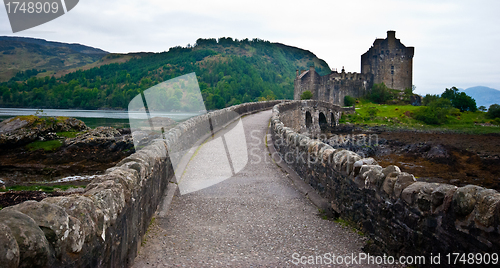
(256, 218)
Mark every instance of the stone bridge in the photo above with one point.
(262, 215)
(309, 117)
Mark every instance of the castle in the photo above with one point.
(387, 61)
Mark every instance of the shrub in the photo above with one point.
(496, 121)
(306, 95)
(349, 101)
(436, 113)
(372, 112)
(380, 94)
(493, 111)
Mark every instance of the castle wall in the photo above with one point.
(332, 87)
(387, 61)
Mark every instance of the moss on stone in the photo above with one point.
(45, 145)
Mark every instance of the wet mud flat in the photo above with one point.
(453, 158)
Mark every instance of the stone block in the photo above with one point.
(403, 180)
(369, 176)
(34, 249)
(410, 194)
(327, 155)
(388, 184)
(347, 165)
(125, 176)
(366, 168)
(365, 161)
(487, 210)
(83, 209)
(464, 199)
(109, 197)
(63, 233)
(9, 250)
(338, 156)
(391, 169)
(442, 197)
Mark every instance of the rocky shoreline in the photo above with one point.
(453, 158)
(25, 157)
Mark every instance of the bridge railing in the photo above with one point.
(104, 226)
(400, 215)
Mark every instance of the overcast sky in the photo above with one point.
(456, 42)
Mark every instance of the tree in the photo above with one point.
(349, 101)
(306, 95)
(429, 98)
(482, 108)
(460, 100)
(464, 102)
(493, 111)
(449, 93)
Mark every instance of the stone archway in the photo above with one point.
(323, 122)
(308, 120)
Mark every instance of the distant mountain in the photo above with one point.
(484, 96)
(22, 53)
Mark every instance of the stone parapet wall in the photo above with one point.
(104, 226)
(400, 215)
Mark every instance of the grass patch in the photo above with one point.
(47, 189)
(151, 223)
(401, 116)
(45, 145)
(349, 225)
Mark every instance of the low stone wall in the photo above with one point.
(104, 226)
(400, 215)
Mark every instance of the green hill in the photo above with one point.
(228, 71)
(21, 54)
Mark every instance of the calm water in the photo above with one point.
(92, 118)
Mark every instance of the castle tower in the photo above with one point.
(306, 81)
(390, 62)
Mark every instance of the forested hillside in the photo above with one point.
(23, 53)
(229, 72)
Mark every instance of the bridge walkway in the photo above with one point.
(256, 218)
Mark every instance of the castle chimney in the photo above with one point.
(391, 35)
(311, 68)
(297, 73)
(391, 38)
